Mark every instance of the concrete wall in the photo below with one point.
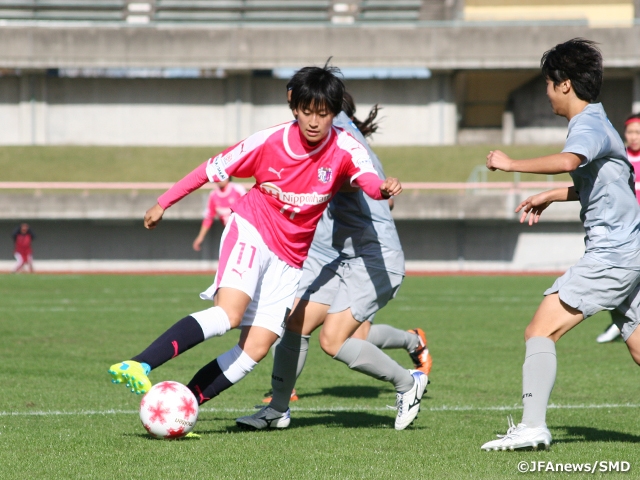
(428, 244)
(46, 110)
(473, 231)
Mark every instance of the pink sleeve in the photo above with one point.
(184, 187)
(370, 184)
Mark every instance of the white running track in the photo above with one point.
(443, 408)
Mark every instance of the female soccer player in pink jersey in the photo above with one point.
(219, 205)
(298, 167)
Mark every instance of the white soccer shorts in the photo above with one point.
(247, 264)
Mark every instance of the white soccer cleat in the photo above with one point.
(408, 403)
(520, 436)
(266, 418)
(609, 335)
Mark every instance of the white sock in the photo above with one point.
(236, 364)
(214, 322)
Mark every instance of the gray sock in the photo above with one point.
(288, 362)
(538, 377)
(386, 336)
(366, 358)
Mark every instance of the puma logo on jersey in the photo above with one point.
(239, 273)
(277, 172)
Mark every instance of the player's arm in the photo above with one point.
(536, 204)
(238, 161)
(179, 190)
(204, 229)
(550, 165)
(377, 188)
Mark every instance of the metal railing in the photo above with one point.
(510, 186)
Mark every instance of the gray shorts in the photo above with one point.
(590, 287)
(344, 285)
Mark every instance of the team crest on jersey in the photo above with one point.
(324, 174)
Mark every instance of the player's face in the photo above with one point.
(315, 123)
(556, 97)
(632, 136)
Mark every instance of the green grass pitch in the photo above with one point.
(167, 164)
(60, 417)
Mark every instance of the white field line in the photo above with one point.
(444, 408)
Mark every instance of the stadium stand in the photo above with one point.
(214, 11)
(92, 10)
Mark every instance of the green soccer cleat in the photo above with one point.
(133, 374)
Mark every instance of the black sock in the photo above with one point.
(209, 382)
(179, 338)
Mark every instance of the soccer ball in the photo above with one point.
(169, 410)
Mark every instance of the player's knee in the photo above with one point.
(328, 344)
(635, 353)
(234, 317)
(533, 330)
(295, 322)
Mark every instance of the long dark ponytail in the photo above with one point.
(367, 127)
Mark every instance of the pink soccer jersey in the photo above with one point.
(634, 158)
(221, 203)
(294, 182)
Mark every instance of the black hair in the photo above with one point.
(368, 127)
(578, 60)
(319, 86)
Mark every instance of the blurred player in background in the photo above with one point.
(22, 238)
(219, 205)
(298, 167)
(632, 136)
(607, 277)
(355, 266)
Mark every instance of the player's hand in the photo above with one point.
(497, 160)
(533, 207)
(390, 187)
(153, 216)
(196, 244)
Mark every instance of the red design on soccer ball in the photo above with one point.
(187, 407)
(158, 413)
(175, 433)
(166, 387)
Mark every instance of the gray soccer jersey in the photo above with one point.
(605, 184)
(357, 228)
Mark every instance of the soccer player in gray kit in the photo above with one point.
(607, 277)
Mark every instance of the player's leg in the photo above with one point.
(585, 289)
(380, 287)
(627, 318)
(263, 322)
(288, 362)
(364, 357)
(413, 341)
(552, 320)
(30, 263)
(317, 289)
(241, 250)
(180, 337)
(19, 262)
(232, 366)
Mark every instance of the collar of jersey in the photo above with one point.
(287, 147)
